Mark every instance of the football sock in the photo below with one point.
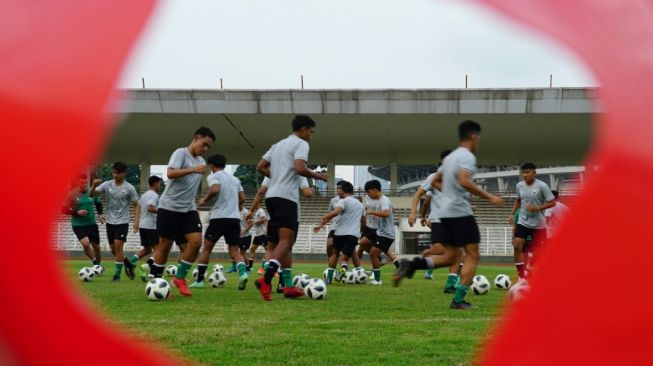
(430, 272)
(377, 274)
(272, 268)
(150, 261)
(133, 259)
(96, 262)
(330, 274)
(461, 292)
(344, 266)
(396, 263)
(521, 269)
(201, 270)
(156, 270)
(420, 263)
(183, 269)
(286, 276)
(118, 269)
(451, 280)
(242, 269)
(250, 264)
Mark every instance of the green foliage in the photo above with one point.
(249, 177)
(133, 175)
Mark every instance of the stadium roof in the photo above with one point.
(550, 126)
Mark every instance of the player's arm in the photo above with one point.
(465, 180)
(68, 207)
(327, 217)
(413, 206)
(263, 167)
(515, 207)
(257, 201)
(425, 207)
(437, 181)
(182, 172)
(534, 208)
(302, 169)
(137, 216)
(214, 190)
(94, 187)
(152, 209)
(383, 213)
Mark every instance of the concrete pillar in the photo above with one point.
(331, 174)
(393, 177)
(145, 175)
(502, 184)
(553, 182)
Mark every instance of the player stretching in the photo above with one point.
(284, 163)
(225, 219)
(145, 225)
(385, 234)
(459, 228)
(79, 205)
(533, 198)
(119, 194)
(178, 218)
(259, 221)
(350, 213)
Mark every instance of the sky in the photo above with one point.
(343, 44)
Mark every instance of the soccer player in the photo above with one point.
(385, 234)
(119, 194)
(245, 232)
(334, 221)
(225, 219)
(177, 217)
(145, 225)
(284, 163)
(79, 205)
(259, 221)
(350, 213)
(459, 228)
(369, 235)
(533, 198)
(555, 214)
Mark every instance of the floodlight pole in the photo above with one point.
(302, 80)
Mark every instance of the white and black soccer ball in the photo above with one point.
(480, 285)
(218, 268)
(301, 280)
(316, 289)
(98, 270)
(171, 270)
(518, 290)
(360, 276)
(217, 279)
(195, 273)
(349, 278)
(157, 289)
(86, 274)
(502, 282)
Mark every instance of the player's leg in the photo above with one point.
(88, 249)
(245, 244)
(375, 254)
(203, 262)
(329, 243)
(290, 235)
(453, 278)
(160, 255)
(252, 253)
(467, 273)
(518, 241)
(333, 260)
(393, 258)
(191, 227)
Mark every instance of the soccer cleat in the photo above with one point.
(374, 282)
(292, 292)
(261, 271)
(129, 269)
(280, 287)
(428, 276)
(264, 288)
(144, 271)
(242, 281)
(464, 305)
(115, 279)
(449, 290)
(406, 269)
(196, 284)
(180, 283)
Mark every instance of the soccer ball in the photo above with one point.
(301, 280)
(480, 285)
(171, 270)
(518, 291)
(502, 282)
(98, 269)
(157, 289)
(86, 274)
(316, 289)
(218, 268)
(349, 278)
(195, 273)
(360, 276)
(217, 279)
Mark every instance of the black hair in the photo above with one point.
(205, 132)
(527, 166)
(468, 128)
(218, 161)
(555, 194)
(372, 184)
(339, 183)
(119, 166)
(153, 180)
(302, 120)
(444, 154)
(346, 186)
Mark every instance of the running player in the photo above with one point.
(385, 234)
(259, 221)
(119, 194)
(245, 232)
(533, 197)
(225, 219)
(555, 214)
(177, 217)
(334, 220)
(459, 228)
(350, 213)
(284, 163)
(79, 205)
(145, 225)
(369, 235)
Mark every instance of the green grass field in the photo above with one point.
(354, 325)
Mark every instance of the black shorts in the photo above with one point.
(458, 231)
(245, 242)
(173, 225)
(370, 234)
(331, 234)
(260, 240)
(524, 232)
(229, 228)
(383, 243)
(283, 214)
(92, 232)
(117, 232)
(436, 233)
(149, 237)
(345, 244)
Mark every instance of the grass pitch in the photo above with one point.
(354, 325)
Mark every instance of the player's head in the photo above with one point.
(373, 188)
(155, 183)
(444, 154)
(346, 187)
(118, 170)
(555, 194)
(218, 161)
(339, 190)
(303, 126)
(202, 141)
(470, 133)
(82, 182)
(528, 172)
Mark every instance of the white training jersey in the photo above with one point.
(259, 229)
(349, 219)
(455, 198)
(148, 219)
(537, 194)
(386, 224)
(284, 182)
(179, 194)
(118, 199)
(227, 202)
(243, 214)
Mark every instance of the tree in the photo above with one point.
(249, 178)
